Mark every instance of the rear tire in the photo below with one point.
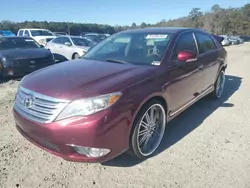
(75, 56)
(148, 130)
(219, 85)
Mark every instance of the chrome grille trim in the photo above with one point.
(44, 108)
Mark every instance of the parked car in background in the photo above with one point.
(94, 37)
(69, 47)
(233, 40)
(22, 55)
(226, 42)
(103, 36)
(6, 33)
(121, 94)
(42, 36)
(245, 38)
(60, 33)
(240, 39)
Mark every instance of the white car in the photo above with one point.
(42, 36)
(225, 42)
(70, 47)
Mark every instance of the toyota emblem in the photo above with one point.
(28, 101)
(32, 62)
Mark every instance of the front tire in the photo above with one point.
(148, 130)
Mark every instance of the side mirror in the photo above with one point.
(42, 46)
(186, 56)
(67, 43)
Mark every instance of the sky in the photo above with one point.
(112, 12)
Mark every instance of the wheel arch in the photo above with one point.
(72, 57)
(157, 97)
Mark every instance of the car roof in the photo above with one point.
(91, 34)
(161, 30)
(32, 29)
(70, 36)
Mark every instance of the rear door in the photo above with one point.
(186, 83)
(209, 57)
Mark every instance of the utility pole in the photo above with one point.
(68, 28)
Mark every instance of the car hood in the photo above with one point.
(84, 78)
(24, 53)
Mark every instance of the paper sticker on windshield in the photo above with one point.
(156, 36)
(156, 63)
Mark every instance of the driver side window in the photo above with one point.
(185, 43)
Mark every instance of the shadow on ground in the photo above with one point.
(186, 122)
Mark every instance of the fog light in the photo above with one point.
(91, 152)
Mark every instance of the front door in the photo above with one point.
(186, 81)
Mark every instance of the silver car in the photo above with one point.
(69, 47)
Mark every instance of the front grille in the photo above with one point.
(38, 107)
(33, 61)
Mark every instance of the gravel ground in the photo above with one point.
(206, 146)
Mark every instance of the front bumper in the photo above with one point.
(102, 130)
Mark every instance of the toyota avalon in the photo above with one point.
(121, 94)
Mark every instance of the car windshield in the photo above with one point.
(135, 48)
(35, 33)
(82, 42)
(14, 43)
(7, 33)
(94, 38)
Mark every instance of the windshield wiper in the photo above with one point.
(116, 61)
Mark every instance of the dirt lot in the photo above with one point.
(207, 146)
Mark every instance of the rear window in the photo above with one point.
(20, 33)
(35, 33)
(82, 42)
(205, 43)
(15, 43)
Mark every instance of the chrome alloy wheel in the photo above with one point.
(220, 84)
(151, 129)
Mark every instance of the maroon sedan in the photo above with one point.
(120, 96)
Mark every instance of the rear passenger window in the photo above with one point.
(26, 33)
(20, 33)
(205, 43)
(185, 43)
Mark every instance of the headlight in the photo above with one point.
(89, 106)
(42, 41)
